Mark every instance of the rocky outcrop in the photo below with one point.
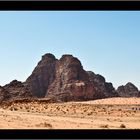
(129, 90)
(14, 90)
(42, 76)
(71, 81)
(103, 89)
(66, 80)
(17, 89)
(4, 94)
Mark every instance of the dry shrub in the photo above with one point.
(57, 108)
(90, 113)
(44, 125)
(27, 107)
(109, 113)
(13, 109)
(122, 126)
(85, 110)
(21, 107)
(45, 107)
(28, 110)
(64, 112)
(104, 126)
(47, 125)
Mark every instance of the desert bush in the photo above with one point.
(21, 107)
(47, 125)
(90, 113)
(44, 125)
(122, 126)
(104, 126)
(13, 109)
(28, 110)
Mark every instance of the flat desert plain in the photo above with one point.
(111, 113)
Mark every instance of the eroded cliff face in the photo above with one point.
(4, 94)
(129, 90)
(14, 90)
(103, 89)
(71, 81)
(42, 76)
(17, 89)
(66, 80)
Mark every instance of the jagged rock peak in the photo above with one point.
(48, 55)
(14, 83)
(66, 80)
(70, 60)
(128, 90)
(42, 76)
(131, 85)
(66, 56)
(90, 72)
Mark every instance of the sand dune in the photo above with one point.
(116, 101)
(97, 114)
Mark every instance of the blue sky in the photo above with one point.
(106, 42)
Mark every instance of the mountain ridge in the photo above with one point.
(64, 80)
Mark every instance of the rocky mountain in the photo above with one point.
(63, 80)
(14, 90)
(4, 94)
(42, 76)
(66, 80)
(17, 89)
(129, 90)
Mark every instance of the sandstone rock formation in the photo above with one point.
(42, 76)
(17, 89)
(4, 94)
(66, 80)
(14, 90)
(103, 89)
(129, 90)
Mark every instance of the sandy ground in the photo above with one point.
(116, 101)
(98, 114)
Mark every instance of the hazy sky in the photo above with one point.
(106, 42)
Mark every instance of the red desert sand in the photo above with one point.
(111, 113)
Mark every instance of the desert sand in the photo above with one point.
(112, 113)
